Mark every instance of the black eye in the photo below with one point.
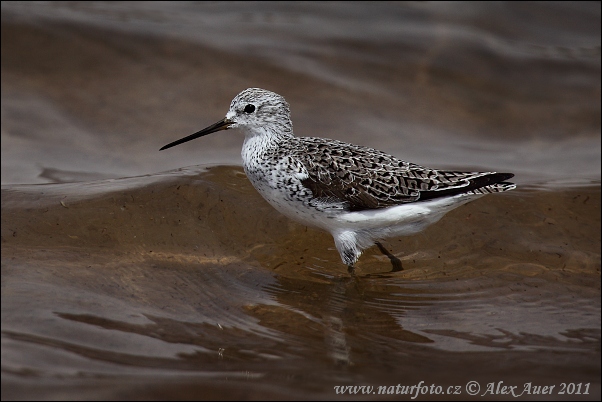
(249, 108)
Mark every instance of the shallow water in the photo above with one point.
(124, 276)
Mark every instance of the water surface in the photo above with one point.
(138, 274)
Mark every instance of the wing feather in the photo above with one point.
(364, 178)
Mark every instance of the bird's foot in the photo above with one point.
(396, 262)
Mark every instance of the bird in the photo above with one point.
(358, 194)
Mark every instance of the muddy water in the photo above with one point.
(129, 273)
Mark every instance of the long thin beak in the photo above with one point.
(223, 124)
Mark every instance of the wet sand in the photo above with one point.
(129, 273)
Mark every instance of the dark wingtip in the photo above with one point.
(502, 176)
(474, 184)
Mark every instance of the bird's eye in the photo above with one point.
(249, 108)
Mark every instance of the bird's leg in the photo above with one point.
(394, 260)
(351, 270)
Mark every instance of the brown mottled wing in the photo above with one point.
(364, 178)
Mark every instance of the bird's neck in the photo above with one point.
(269, 134)
(259, 141)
